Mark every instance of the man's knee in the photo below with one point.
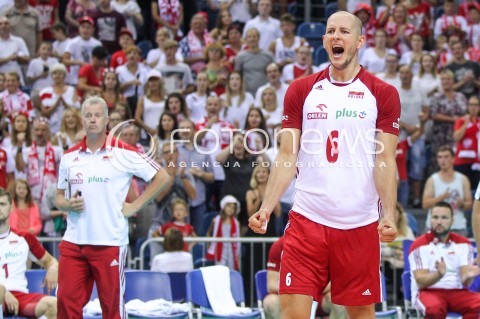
(271, 304)
(361, 312)
(295, 306)
(47, 306)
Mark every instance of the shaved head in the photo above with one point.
(357, 23)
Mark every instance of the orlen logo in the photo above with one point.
(350, 113)
(78, 179)
(318, 115)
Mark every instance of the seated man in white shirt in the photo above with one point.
(442, 267)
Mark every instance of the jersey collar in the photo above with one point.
(327, 75)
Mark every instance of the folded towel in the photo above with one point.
(154, 308)
(92, 308)
(217, 286)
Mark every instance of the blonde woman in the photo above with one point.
(270, 109)
(70, 125)
(236, 100)
(151, 105)
(256, 194)
(427, 78)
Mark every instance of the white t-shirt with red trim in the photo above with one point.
(335, 185)
(15, 249)
(103, 178)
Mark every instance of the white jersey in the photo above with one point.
(103, 178)
(81, 50)
(335, 185)
(15, 249)
(282, 52)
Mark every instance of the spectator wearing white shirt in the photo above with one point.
(270, 109)
(412, 58)
(284, 48)
(174, 259)
(197, 101)
(79, 51)
(373, 59)
(268, 26)
(450, 21)
(38, 68)
(59, 46)
(241, 11)
(151, 105)
(14, 50)
(391, 74)
(156, 57)
(177, 75)
(131, 13)
(57, 97)
(132, 76)
(236, 101)
(272, 72)
(427, 78)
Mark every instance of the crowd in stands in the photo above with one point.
(214, 81)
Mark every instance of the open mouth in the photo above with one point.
(337, 51)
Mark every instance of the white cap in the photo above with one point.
(153, 74)
(229, 199)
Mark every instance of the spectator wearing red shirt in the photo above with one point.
(48, 10)
(90, 76)
(120, 57)
(25, 215)
(419, 16)
(465, 7)
(365, 13)
(399, 30)
(465, 134)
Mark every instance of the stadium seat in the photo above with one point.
(144, 47)
(320, 56)
(261, 286)
(407, 243)
(147, 285)
(177, 284)
(197, 296)
(312, 32)
(330, 9)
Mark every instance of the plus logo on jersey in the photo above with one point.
(349, 113)
(322, 115)
(356, 93)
